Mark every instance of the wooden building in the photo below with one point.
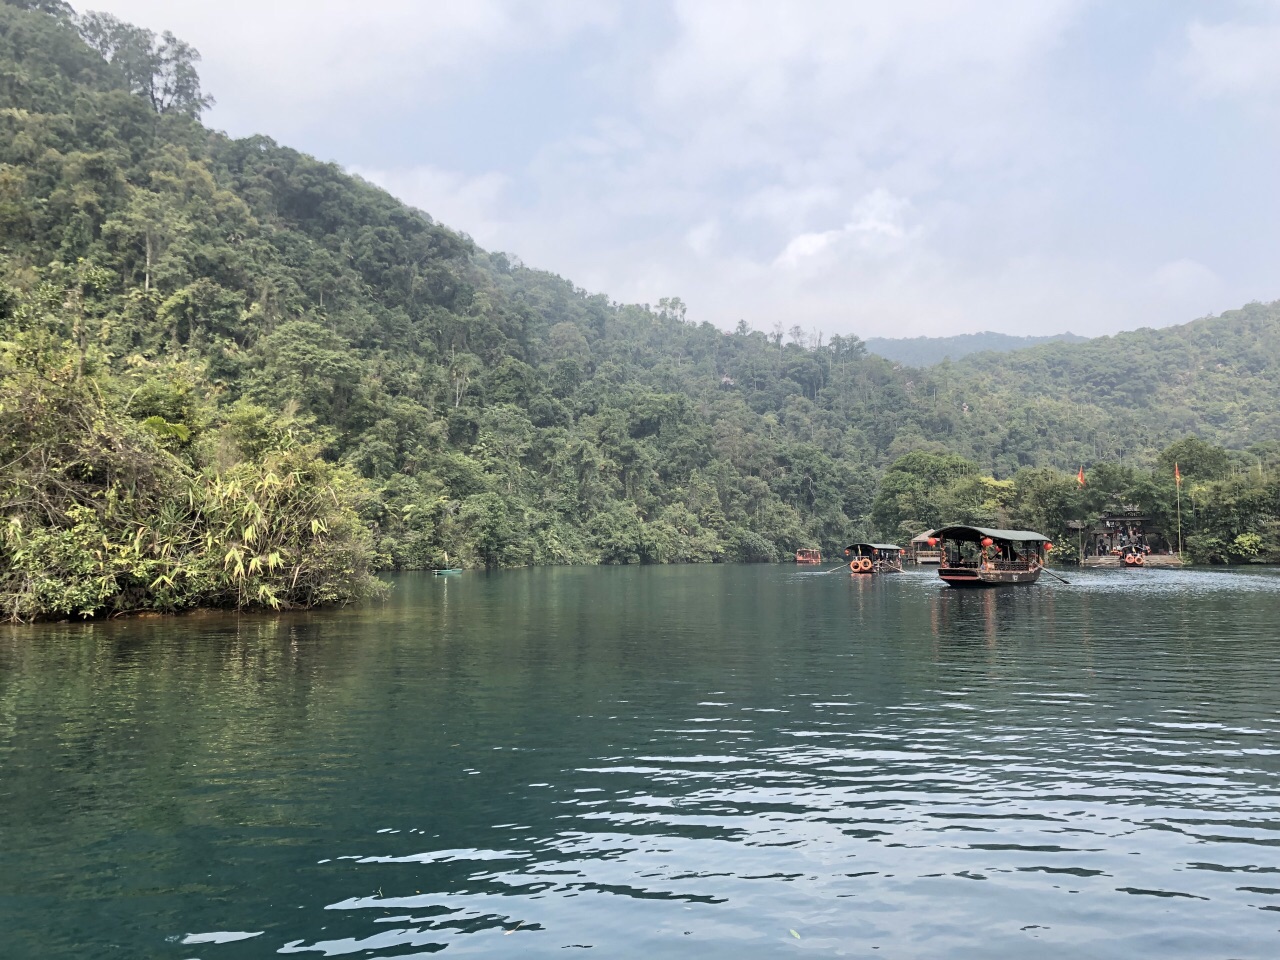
(922, 551)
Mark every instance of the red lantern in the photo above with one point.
(987, 541)
(1048, 547)
(933, 541)
(902, 553)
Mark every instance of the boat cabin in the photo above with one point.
(875, 557)
(989, 557)
(808, 555)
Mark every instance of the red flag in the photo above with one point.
(1080, 476)
(1177, 474)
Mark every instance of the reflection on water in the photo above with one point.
(719, 761)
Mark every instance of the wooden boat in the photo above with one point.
(874, 557)
(1116, 561)
(1133, 557)
(986, 557)
(808, 555)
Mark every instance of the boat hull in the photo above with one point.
(972, 577)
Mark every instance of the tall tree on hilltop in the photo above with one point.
(164, 72)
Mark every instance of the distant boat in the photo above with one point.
(986, 557)
(448, 572)
(874, 557)
(808, 555)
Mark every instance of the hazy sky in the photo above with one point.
(881, 168)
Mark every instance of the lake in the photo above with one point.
(713, 761)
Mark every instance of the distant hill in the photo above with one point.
(926, 351)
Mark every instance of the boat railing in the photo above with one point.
(1015, 565)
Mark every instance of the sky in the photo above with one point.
(882, 169)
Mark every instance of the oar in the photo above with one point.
(1054, 575)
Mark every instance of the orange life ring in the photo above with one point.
(865, 564)
(1138, 560)
(1130, 559)
(853, 564)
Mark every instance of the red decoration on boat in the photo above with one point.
(1048, 547)
(933, 541)
(987, 541)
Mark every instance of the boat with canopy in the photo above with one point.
(988, 557)
(874, 557)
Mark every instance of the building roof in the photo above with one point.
(961, 532)
(924, 537)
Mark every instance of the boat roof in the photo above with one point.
(874, 546)
(962, 532)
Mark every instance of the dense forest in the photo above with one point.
(233, 375)
(926, 351)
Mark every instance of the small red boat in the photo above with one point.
(808, 555)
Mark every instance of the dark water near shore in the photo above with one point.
(656, 762)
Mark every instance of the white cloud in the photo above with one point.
(877, 227)
(807, 246)
(1234, 58)
(897, 168)
(702, 238)
(288, 64)
(1186, 281)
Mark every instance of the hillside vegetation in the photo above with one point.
(231, 374)
(926, 351)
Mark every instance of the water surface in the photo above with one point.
(729, 761)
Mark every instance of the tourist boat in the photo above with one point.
(874, 557)
(985, 557)
(808, 555)
(1133, 557)
(447, 572)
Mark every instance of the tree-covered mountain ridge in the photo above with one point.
(926, 351)
(235, 375)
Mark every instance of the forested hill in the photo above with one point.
(208, 343)
(926, 351)
(1218, 377)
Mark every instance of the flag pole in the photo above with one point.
(1179, 520)
(1177, 482)
(1080, 481)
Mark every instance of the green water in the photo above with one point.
(649, 762)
